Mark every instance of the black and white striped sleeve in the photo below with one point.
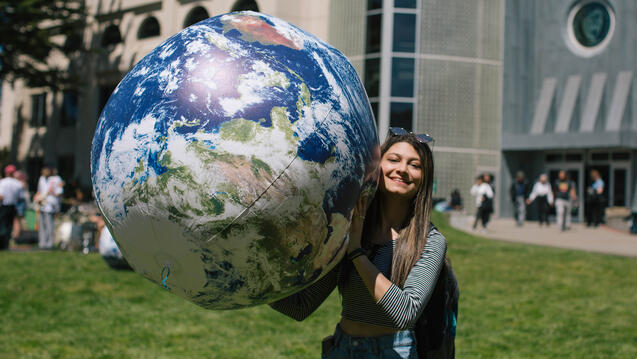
(404, 306)
(300, 305)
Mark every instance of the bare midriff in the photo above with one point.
(358, 329)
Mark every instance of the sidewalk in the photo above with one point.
(602, 239)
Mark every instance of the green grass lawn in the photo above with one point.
(517, 301)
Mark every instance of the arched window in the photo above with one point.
(111, 36)
(242, 5)
(195, 15)
(148, 28)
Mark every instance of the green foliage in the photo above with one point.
(517, 301)
(27, 28)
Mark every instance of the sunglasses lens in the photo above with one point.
(398, 131)
(424, 138)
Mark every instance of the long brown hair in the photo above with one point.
(413, 236)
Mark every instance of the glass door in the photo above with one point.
(619, 187)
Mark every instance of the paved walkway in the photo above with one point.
(602, 239)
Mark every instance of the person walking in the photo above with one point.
(484, 202)
(10, 192)
(518, 192)
(23, 203)
(565, 196)
(393, 262)
(633, 228)
(596, 200)
(50, 189)
(544, 196)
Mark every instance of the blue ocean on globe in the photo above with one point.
(228, 161)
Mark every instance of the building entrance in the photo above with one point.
(614, 168)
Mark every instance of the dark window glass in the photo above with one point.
(66, 168)
(38, 110)
(374, 4)
(573, 157)
(602, 156)
(148, 28)
(372, 77)
(619, 187)
(111, 36)
(410, 4)
(401, 114)
(373, 33)
(34, 167)
(245, 5)
(375, 111)
(69, 109)
(591, 24)
(621, 156)
(553, 157)
(195, 15)
(404, 32)
(402, 77)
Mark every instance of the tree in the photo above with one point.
(27, 31)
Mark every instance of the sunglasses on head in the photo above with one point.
(421, 137)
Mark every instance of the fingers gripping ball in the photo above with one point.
(231, 157)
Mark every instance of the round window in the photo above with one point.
(590, 27)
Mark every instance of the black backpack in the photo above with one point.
(436, 327)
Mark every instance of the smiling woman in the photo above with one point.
(393, 265)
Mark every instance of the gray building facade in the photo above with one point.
(568, 94)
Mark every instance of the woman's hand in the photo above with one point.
(356, 225)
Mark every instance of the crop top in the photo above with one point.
(399, 308)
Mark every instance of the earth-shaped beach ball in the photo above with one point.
(228, 161)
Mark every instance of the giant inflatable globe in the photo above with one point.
(228, 161)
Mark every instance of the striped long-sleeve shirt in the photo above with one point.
(399, 308)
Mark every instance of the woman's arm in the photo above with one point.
(300, 305)
(376, 282)
(405, 305)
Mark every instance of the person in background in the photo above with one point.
(484, 201)
(486, 178)
(10, 192)
(633, 228)
(518, 192)
(544, 196)
(23, 202)
(456, 200)
(50, 190)
(596, 200)
(564, 196)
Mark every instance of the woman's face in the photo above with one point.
(401, 171)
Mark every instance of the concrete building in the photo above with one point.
(569, 102)
(430, 66)
(502, 85)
